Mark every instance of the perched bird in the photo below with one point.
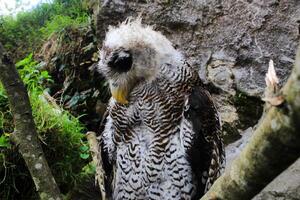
(161, 138)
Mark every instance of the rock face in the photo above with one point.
(231, 42)
(234, 149)
(285, 187)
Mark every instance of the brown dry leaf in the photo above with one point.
(272, 89)
(274, 101)
(271, 77)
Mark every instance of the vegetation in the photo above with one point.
(38, 24)
(59, 132)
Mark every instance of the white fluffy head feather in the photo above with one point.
(132, 33)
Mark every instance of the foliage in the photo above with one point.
(60, 22)
(5, 116)
(26, 31)
(4, 141)
(86, 187)
(32, 77)
(60, 133)
(85, 152)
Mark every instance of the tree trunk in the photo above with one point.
(274, 146)
(25, 135)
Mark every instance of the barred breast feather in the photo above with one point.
(166, 143)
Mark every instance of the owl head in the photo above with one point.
(132, 54)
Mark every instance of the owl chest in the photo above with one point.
(147, 166)
(145, 169)
(147, 145)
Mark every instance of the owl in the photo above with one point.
(161, 138)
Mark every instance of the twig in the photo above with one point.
(97, 159)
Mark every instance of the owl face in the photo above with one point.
(131, 62)
(125, 67)
(132, 54)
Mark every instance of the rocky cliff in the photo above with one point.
(231, 43)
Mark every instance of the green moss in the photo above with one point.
(62, 136)
(249, 109)
(230, 133)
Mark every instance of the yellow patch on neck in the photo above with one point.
(119, 94)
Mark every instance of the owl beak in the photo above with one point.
(119, 93)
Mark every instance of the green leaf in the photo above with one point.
(84, 148)
(44, 74)
(84, 155)
(4, 142)
(25, 61)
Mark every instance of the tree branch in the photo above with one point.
(274, 146)
(25, 135)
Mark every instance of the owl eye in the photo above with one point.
(121, 61)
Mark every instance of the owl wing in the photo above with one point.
(206, 153)
(106, 165)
